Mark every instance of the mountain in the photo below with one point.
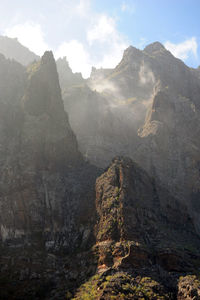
(71, 230)
(11, 48)
(149, 111)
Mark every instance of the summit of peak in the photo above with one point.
(156, 46)
(130, 50)
(47, 57)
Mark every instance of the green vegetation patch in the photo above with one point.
(121, 285)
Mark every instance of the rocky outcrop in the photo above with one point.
(43, 175)
(133, 210)
(12, 49)
(141, 235)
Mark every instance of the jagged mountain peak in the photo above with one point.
(48, 58)
(37, 140)
(43, 92)
(43, 100)
(149, 49)
(48, 64)
(154, 47)
(130, 52)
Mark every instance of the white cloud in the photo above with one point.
(30, 35)
(183, 50)
(103, 46)
(104, 35)
(83, 7)
(76, 55)
(103, 29)
(86, 38)
(127, 7)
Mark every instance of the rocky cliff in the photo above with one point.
(41, 167)
(149, 111)
(141, 235)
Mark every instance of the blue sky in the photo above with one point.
(95, 32)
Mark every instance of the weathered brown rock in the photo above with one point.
(140, 221)
(141, 235)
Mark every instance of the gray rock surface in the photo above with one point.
(45, 182)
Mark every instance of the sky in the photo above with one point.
(96, 32)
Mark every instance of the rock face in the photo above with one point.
(42, 178)
(43, 98)
(12, 49)
(95, 116)
(134, 210)
(149, 111)
(141, 235)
